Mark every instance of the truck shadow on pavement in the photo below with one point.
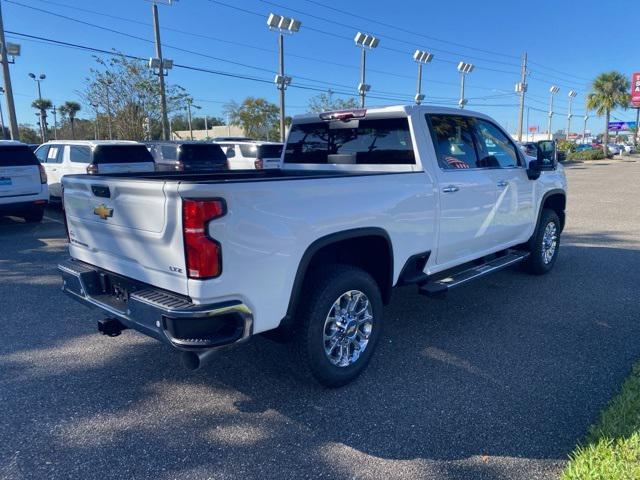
(497, 380)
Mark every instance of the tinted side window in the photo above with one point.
(385, 141)
(494, 147)
(55, 154)
(249, 151)
(270, 151)
(79, 154)
(121, 154)
(41, 153)
(453, 141)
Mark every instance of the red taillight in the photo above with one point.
(258, 164)
(43, 174)
(203, 253)
(92, 169)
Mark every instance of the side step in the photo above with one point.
(439, 287)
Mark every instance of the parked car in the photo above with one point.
(23, 182)
(613, 149)
(583, 146)
(187, 156)
(67, 157)
(365, 200)
(252, 155)
(629, 148)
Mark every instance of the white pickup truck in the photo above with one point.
(365, 200)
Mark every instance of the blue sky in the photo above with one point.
(562, 40)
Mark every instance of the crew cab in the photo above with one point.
(23, 182)
(365, 200)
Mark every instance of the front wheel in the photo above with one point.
(338, 324)
(545, 244)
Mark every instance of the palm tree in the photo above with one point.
(70, 109)
(609, 91)
(42, 105)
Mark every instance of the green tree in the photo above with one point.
(324, 102)
(42, 105)
(127, 92)
(609, 91)
(259, 118)
(69, 111)
(28, 134)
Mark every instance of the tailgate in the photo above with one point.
(19, 180)
(127, 226)
(136, 167)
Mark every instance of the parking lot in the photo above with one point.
(498, 380)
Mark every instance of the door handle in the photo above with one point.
(450, 189)
(503, 183)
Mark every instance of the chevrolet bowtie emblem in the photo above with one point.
(103, 211)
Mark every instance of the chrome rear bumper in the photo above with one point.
(166, 316)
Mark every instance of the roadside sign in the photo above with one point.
(635, 90)
(618, 126)
(533, 129)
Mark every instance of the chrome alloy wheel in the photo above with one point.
(549, 242)
(347, 328)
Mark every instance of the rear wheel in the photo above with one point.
(34, 215)
(545, 244)
(338, 325)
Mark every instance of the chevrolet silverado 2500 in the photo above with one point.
(365, 200)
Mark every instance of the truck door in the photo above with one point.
(467, 191)
(514, 210)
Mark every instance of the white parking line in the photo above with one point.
(53, 220)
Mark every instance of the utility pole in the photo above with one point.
(163, 97)
(11, 108)
(522, 88)
(206, 127)
(107, 83)
(189, 118)
(55, 123)
(4, 134)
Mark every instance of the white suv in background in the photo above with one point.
(68, 157)
(23, 182)
(249, 155)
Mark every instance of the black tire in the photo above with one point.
(34, 215)
(324, 287)
(537, 264)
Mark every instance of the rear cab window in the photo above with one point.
(269, 151)
(375, 141)
(106, 154)
(17, 156)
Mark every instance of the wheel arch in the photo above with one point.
(556, 200)
(334, 247)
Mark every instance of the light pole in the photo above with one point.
(4, 135)
(189, 105)
(464, 69)
(39, 79)
(420, 57)
(95, 123)
(553, 90)
(364, 41)
(572, 94)
(55, 122)
(584, 128)
(282, 25)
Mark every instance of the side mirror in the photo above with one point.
(546, 155)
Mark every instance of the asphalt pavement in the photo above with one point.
(499, 380)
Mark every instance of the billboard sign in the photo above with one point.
(635, 90)
(618, 126)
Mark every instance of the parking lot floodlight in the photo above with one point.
(282, 23)
(167, 63)
(366, 42)
(154, 63)
(552, 90)
(464, 68)
(420, 57)
(572, 94)
(32, 75)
